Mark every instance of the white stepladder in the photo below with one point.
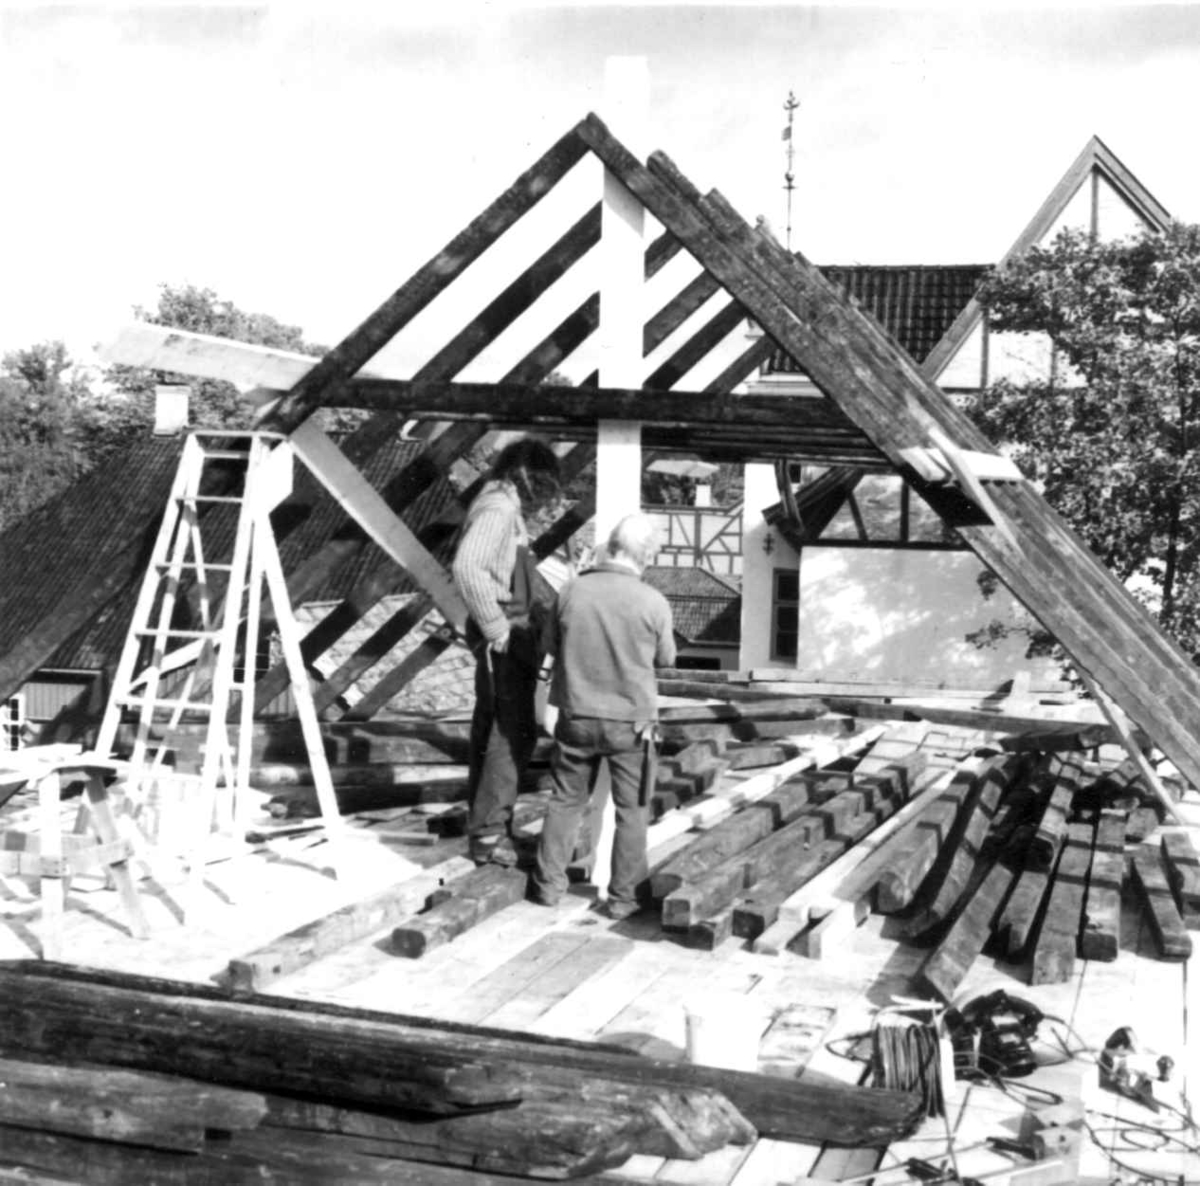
(171, 674)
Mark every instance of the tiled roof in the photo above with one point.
(916, 304)
(69, 541)
(705, 608)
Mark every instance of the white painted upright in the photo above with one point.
(619, 442)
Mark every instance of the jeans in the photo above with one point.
(581, 743)
(503, 734)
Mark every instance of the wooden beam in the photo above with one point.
(321, 384)
(507, 401)
(364, 503)
(881, 388)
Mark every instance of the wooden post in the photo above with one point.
(619, 442)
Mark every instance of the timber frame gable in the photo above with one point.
(880, 410)
(1096, 166)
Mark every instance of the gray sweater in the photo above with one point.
(608, 634)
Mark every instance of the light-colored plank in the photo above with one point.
(367, 507)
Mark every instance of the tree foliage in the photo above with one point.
(1112, 435)
(56, 424)
(45, 427)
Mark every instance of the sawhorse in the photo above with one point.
(53, 858)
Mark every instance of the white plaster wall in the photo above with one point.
(869, 613)
(965, 366)
(758, 565)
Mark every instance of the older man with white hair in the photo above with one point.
(608, 633)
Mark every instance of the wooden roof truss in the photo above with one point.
(878, 408)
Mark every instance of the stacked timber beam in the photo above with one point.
(125, 1078)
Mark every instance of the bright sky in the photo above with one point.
(303, 160)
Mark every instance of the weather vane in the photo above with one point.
(789, 177)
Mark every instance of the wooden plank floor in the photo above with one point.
(568, 971)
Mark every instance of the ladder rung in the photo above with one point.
(226, 454)
(210, 498)
(166, 564)
(143, 702)
(150, 632)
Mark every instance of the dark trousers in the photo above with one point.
(581, 744)
(503, 733)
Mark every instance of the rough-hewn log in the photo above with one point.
(1183, 873)
(289, 953)
(1058, 939)
(913, 858)
(744, 828)
(1051, 831)
(477, 896)
(158, 1111)
(1154, 892)
(240, 1044)
(1099, 937)
(246, 1159)
(758, 907)
(815, 1109)
(980, 793)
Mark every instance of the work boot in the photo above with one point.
(492, 850)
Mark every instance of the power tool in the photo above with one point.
(991, 1035)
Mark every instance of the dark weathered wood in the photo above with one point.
(677, 310)
(531, 403)
(159, 1111)
(1140, 823)
(1040, 558)
(1183, 873)
(1022, 913)
(752, 756)
(476, 897)
(1099, 938)
(248, 1159)
(1058, 939)
(1154, 893)
(979, 792)
(547, 1139)
(709, 335)
(915, 855)
(322, 384)
(718, 887)
(945, 966)
(744, 828)
(314, 940)
(816, 1109)
(1052, 829)
(795, 708)
(240, 1044)
(758, 907)
(709, 933)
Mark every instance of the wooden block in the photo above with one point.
(717, 888)
(1183, 873)
(979, 791)
(830, 931)
(1051, 830)
(1154, 891)
(1099, 936)
(951, 959)
(742, 829)
(490, 889)
(1058, 938)
(1142, 822)
(709, 933)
